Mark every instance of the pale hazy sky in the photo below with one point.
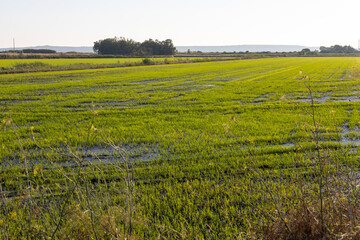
(186, 22)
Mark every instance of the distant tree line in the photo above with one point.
(38, 51)
(338, 49)
(32, 51)
(124, 46)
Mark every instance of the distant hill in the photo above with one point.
(57, 49)
(230, 48)
(244, 48)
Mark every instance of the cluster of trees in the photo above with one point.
(338, 49)
(307, 51)
(123, 46)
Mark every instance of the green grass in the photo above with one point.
(13, 65)
(45, 65)
(190, 127)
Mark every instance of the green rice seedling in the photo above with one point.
(188, 130)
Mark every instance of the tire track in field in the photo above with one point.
(268, 74)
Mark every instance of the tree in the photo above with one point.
(168, 47)
(305, 51)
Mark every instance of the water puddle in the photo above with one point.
(350, 97)
(65, 157)
(287, 145)
(322, 99)
(120, 104)
(346, 137)
(263, 98)
(349, 136)
(260, 99)
(347, 99)
(105, 154)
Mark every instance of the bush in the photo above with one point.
(147, 61)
